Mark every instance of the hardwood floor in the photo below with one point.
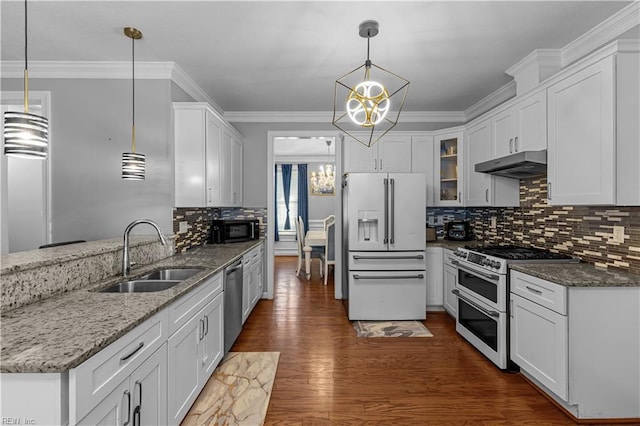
(327, 375)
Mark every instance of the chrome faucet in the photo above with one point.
(126, 265)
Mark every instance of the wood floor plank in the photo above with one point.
(328, 376)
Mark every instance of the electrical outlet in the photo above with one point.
(618, 234)
(183, 227)
(493, 222)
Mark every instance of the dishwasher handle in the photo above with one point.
(231, 269)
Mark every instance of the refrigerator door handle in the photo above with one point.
(386, 209)
(392, 216)
(387, 277)
(360, 257)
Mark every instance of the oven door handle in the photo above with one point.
(471, 271)
(388, 277)
(493, 314)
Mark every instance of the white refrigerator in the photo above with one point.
(384, 217)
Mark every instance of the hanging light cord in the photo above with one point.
(26, 68)
(133, 92)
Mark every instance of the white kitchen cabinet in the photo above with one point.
(207, 158)
(435, 276)
(593, 131)
(450, 278)
(193, 352)
(483, 189)
(141, 399)
(521, 127)
(580, 345)
(422, 162)
(252, 277)
(390, 154)
(448, 169)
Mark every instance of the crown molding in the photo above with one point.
(188, 84)
(607, 30)
(88, 69)
(544, 58)
(491, 101)
(327, 116)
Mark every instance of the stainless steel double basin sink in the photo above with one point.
(159, 280)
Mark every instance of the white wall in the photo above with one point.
(90, 127)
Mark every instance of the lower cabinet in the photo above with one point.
(580, 345)
(193, 353)
(252, 280)
(141, 399)
(434, 278)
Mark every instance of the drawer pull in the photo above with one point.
(533, 290)
(124, 358)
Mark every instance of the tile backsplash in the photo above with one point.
(198, 219)
(582, 231)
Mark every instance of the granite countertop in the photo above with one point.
(59, 333)
(578, 274)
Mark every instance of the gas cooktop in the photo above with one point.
(497, 258)
(517, 253)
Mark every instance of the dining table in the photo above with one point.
(312, 239)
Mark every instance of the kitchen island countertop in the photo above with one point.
(59, 333)
(578, 274)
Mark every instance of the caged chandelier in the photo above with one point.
(324, 180)
(366, 104)
(26, 135)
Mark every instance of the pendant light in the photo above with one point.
(133, 163)
(367, 103)
(26, 135)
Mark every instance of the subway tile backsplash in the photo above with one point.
(582, 231)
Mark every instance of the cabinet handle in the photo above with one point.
(548, 190)
(486, 195)
(511, 146)
(126, 357)
(515, 143)
(533, 290)
(201, 331)
(128, 395)
(459, 196)
(136, 411)
(381, 164)
(206, 319)
(511, 308)
(375, 164)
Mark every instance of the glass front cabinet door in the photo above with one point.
(449, 168)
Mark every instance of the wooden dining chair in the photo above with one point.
(300, 233)
(329, 255)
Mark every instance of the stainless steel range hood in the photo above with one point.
(520, 165)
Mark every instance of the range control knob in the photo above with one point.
(495, 264)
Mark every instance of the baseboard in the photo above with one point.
(570, 415)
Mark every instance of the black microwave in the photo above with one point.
(232, 231)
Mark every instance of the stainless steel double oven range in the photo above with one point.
(482, 290)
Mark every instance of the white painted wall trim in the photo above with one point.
(606, 31)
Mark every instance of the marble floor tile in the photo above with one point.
(238, 392)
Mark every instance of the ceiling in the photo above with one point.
(286, 56)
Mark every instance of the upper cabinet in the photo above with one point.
(207, 158)
(521, 127)
(389, 155)
(448, 167)
(422, 162)
(482, 189)
(593, 133)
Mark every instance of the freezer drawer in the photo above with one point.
(383, 295)
(387, 261)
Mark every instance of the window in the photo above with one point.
(293, 201)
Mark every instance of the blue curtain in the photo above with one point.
(303, 195)
(275, 204)
(286, 187)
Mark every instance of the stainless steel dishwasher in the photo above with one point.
(232, 304)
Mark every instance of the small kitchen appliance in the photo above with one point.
(459, 230)
(232, 231)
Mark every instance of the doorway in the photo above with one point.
(25, 186)
(295, 148)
